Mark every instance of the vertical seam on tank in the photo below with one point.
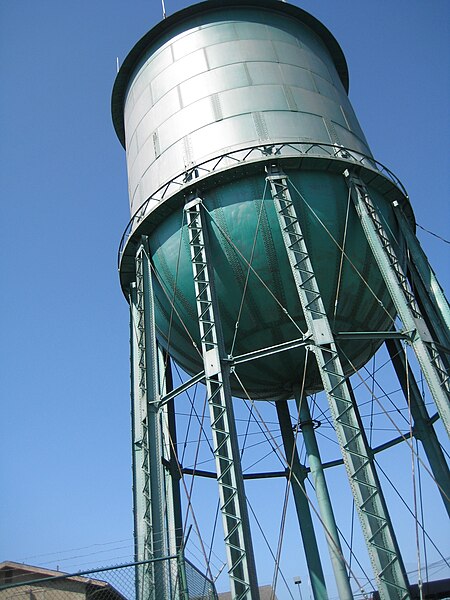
(180, 98)
(247, 72)
(156, 144)
(188, 152)
(345, 118)
(260, 125)
(216, 106)
(292, 105)
(205, 54)
(272, 44)
(313, 80)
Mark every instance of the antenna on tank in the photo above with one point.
(163, 9)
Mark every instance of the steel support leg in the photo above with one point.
(424, 346)
(430, 312)
(324, 500)
(170, 459)
(423, 427)
(151, 531)
(376, 525)
(426, 274)
(298, 476)
(241, 565)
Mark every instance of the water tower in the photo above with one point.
(269, 255)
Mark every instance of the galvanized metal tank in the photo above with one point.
(203, 102)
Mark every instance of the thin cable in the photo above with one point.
(422, 515)
(284, 461)
(174, 308)
(372, 394)
(233, 245)
(74, 550)
(175, 286)
(342, 250)
(341, 262)
(281, 535)
(434, 234)
(195, 412)
(236, 327)
(413, 476)
(197, 450)
(246, 431)
(188, 428)
(411, 513)
(405, 439)
(352, 531)
(190, 506)
(214, 530)
(420, 488)
(386, 395)
(268, 545)
(290, 471)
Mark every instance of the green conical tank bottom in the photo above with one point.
(242, 217)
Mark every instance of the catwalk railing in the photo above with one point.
(245, 156)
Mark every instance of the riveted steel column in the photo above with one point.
(298, 476)
(241, 564)
(148, 476)
(323, 500)
(170, 460)
(376, 525)
(423, 427)
(424, 346)
(430, 312)
(426, 274)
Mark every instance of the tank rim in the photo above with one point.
(394, 192)
(127, 68)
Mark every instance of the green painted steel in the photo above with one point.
(377, 528)
(222, 78)
(423, 426)
(426, 274)
(436, 309)
(233, 502)
(150, 525)
(423, 344)
(297, 480)
(323, 500)
(237, 212)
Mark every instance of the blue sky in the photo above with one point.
(65, 470)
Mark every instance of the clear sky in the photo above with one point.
(65, 470)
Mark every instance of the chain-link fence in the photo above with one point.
(166, 579)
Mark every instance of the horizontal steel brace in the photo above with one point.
(398, 440)
(372, 335)
(182, 388)
(402, 438)
(213, 475)
(236, 360)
